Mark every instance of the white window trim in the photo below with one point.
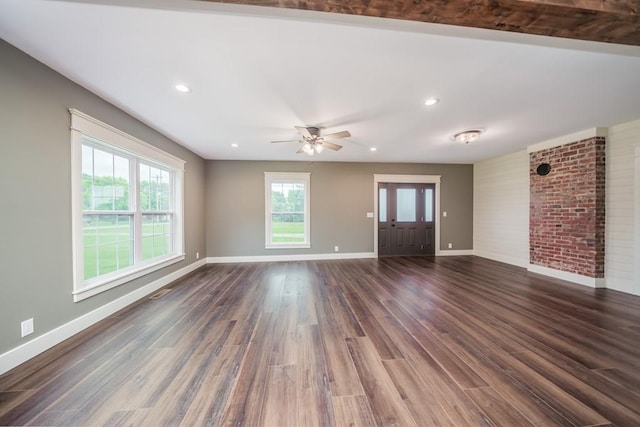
(82, 124)
(636, 288)
(271, 177)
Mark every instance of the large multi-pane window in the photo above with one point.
(287, 210)
(127, 207)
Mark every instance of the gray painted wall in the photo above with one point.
(341, 195)
(35, 191)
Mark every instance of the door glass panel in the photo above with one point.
(382, 205)
(406, 204)
(428, 205)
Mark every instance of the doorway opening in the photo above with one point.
(406, 220)
(407, 209)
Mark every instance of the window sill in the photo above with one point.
(288, 246)
(122, 277)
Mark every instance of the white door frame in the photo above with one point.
(636, 283)
(405, 179)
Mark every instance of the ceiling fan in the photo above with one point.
(314, 142)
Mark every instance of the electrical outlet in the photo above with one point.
(337, 248)
(197, 255)
(27, 327)
(450, 245)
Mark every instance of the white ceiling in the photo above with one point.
(257, 72)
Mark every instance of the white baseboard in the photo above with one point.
(297, 257)
(28, 350)
(315, 257)
(454, 252)
(524, 263)
(621, 285)
(569, 277)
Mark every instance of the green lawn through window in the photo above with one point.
(112, 245)
(287, 232)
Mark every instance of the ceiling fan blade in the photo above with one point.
(300, 150)
(331, 146)
(337, 135)
(304, 131)
(288, 140)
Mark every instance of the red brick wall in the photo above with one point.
(567, 208)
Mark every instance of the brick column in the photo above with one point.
(567, 208)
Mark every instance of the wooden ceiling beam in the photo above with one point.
(624, 7)
(611, 21)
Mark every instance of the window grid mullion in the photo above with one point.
(137, 216)
(93, 177)
(172, 207)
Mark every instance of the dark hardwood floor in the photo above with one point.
(451, 341)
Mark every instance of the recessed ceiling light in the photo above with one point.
(373, 149)
(182, 88)
(431, 101)
(234, 145)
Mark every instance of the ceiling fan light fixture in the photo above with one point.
(467, 136)
(314, 143)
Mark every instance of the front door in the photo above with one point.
(406, 219)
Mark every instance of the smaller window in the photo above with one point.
(287, 210)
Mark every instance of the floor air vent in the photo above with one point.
(160, 294)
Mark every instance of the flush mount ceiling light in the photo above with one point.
(183, 88)
(373, 149)
(431, 101)
(467, 136)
